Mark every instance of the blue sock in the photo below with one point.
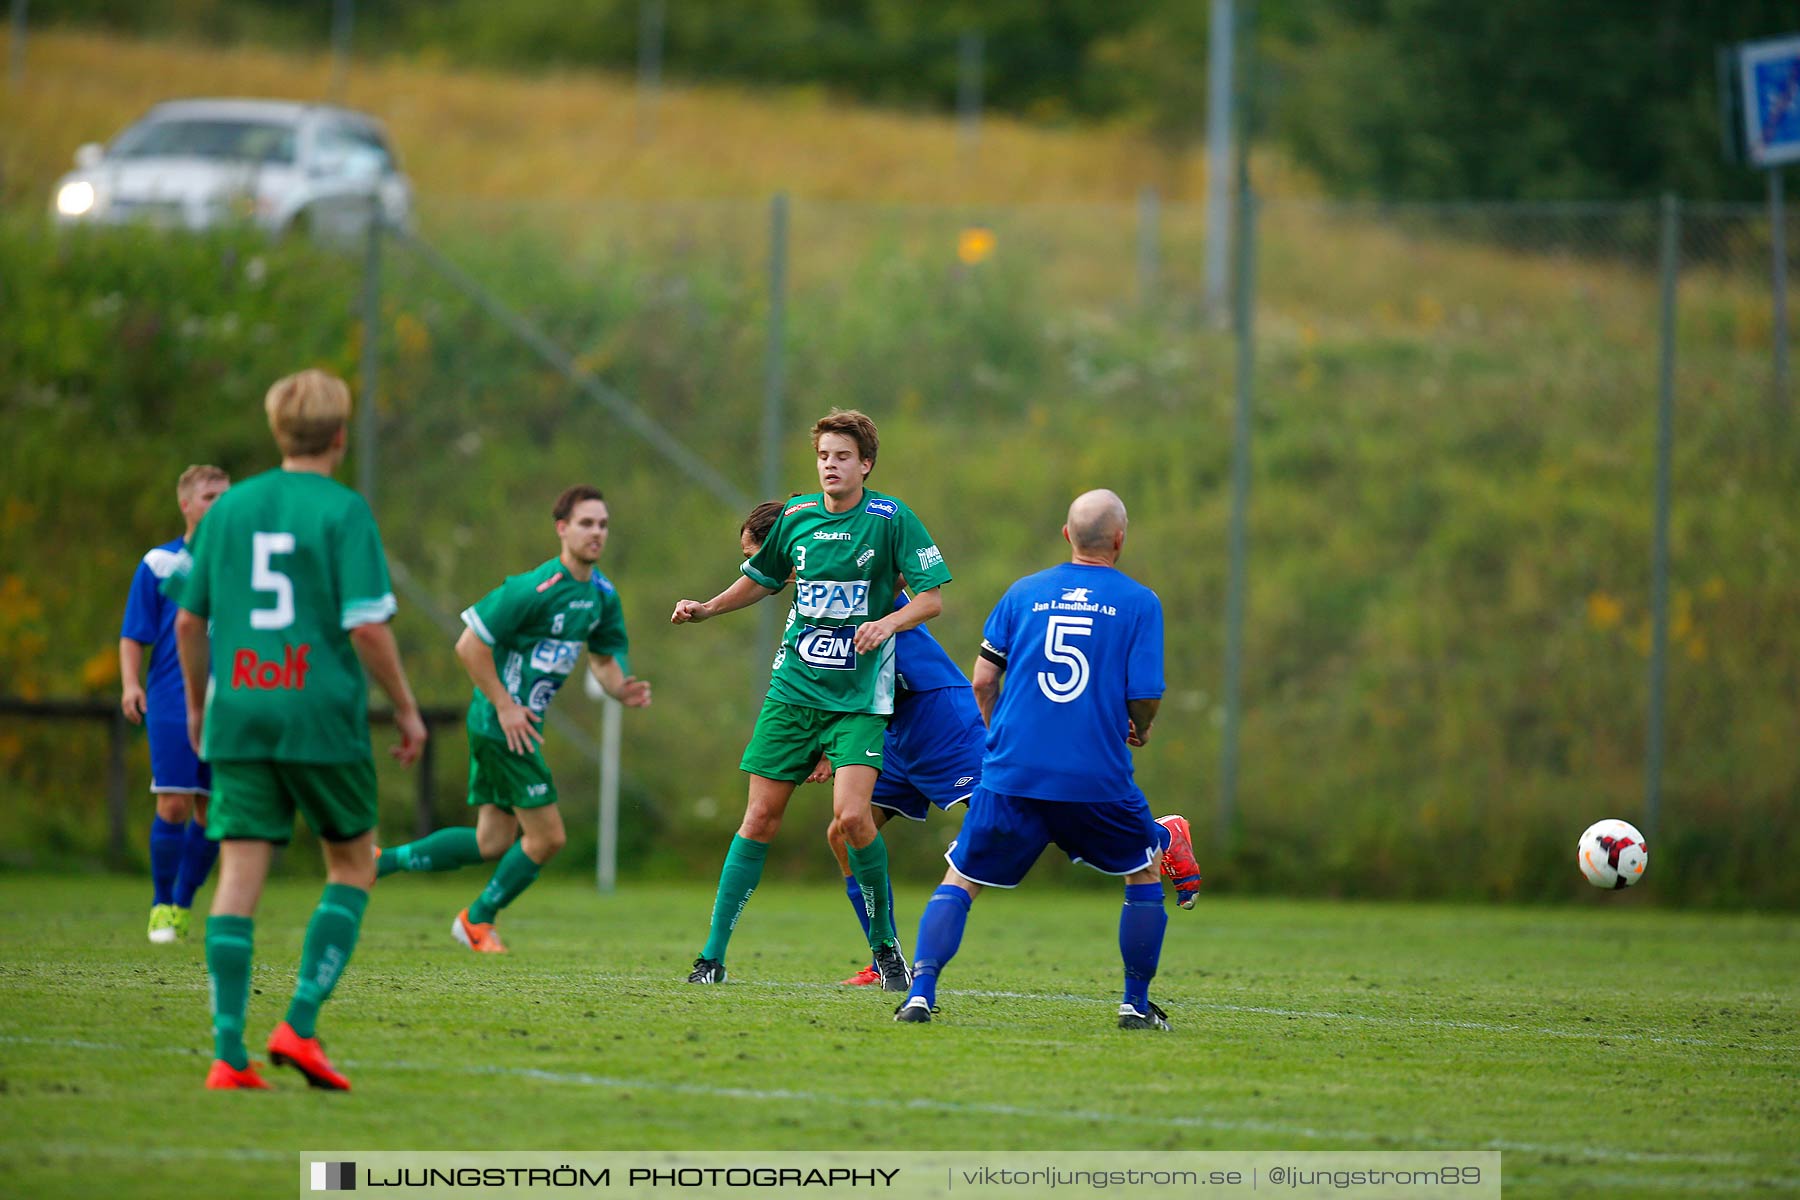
(197, 854)
(854, 891)
(165, 859)
(940, 934)
(1141, 925)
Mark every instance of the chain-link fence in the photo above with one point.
(1447, 652)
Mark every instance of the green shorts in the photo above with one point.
(257, 800)
(789, 738)
(506, 780)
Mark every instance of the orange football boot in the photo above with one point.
(1178, 861)
(289, 1049)
(225, 1077)
(480, 938)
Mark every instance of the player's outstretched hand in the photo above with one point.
(412, 737)
(821, 772)
(634, 692)
(871, 635)
(132, 703)
(686, 611)
(519, 724)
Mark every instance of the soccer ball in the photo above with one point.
(1612, 854)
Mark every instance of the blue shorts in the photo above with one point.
(1003, 835)
(174, 767)
(932, 754)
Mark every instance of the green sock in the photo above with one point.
(870, 866)
(737, 882)
(229, 941)
(445, 850)
(330, 938)
(514, 874)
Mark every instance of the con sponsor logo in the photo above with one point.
(929, 557)
(826, 535)
(1075, 600)
(550, 582)
(831, 598)
(794, 508)
(250, 670)
(887, 510)
(553, 657)
(542, 692)
(830, 648)
(537, 791)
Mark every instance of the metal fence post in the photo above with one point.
(343, 17)
(371, 355)
(1778, 267)
(774, 383)
(650, 66)
(424, 818)
(15, 67)
(606, 865)
(1659, 570)
(1244, 309)
(968, 92)
(1221, 39)
(1149, 247)
(116, 732)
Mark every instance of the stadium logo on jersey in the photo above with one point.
(1075, 596)
(552, 657)
(887, 510)
(794, 508)
(929, 557)
(550, 582)
(831, 598)
(251, 670)
(825, 535)
(830, 648)
(542, 692)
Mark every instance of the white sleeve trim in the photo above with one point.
(473, 620)
(369, 612)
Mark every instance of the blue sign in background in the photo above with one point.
(1771, 96)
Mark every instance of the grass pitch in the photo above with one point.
(1599, 1049)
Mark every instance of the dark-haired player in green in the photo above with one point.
(831, 691)
(523, 641)
(289, 570)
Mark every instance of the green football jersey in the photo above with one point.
(847, 568)
(285, 565)
(537, 624)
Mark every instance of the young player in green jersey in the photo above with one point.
(521, 644)
(289, 570)
(831, 689)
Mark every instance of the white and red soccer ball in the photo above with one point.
(1612, 854)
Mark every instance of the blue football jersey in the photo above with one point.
(150, 619)
(1078, 643)
(920, 663)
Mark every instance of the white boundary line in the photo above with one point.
(944, 1107)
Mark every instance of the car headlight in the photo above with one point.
(75, 199)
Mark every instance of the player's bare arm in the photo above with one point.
(920, 609)
(741, 594)
(375, 646)
(1143, 715)
(628, 690)
(131, 671)
(195, 649)
(986, 681)
(516, 721)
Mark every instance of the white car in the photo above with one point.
(198, 163)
